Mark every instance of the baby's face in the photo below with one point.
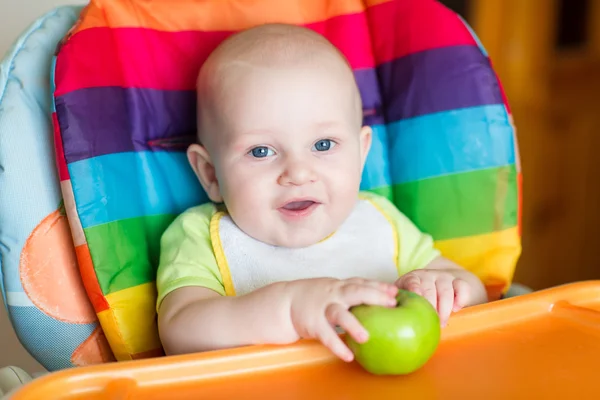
(289, 153)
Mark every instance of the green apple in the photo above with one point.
(401, 339)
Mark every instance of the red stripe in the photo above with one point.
(90, 280)
(63, 171)
(403, 27)
(520, 203)
(502, 92)
(146, 58)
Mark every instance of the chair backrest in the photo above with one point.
(443, 152)
(41, 285)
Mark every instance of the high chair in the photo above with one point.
(97, 106)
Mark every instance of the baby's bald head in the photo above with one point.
(265, 47)
(273, 45)
(280, 116)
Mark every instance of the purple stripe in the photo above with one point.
(98, 121)
(107, 120)
(366, 80)
(440, 79)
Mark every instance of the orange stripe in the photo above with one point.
(228, 15)
(90, 282)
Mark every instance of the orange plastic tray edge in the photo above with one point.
(251, 359)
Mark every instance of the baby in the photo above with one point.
(288, 243)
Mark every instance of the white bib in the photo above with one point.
(365, 246)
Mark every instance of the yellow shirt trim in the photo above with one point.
(215, 238)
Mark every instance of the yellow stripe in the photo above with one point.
(130, 323)
(492, 256)
(365, 196)
(113, 335)
(215, 238)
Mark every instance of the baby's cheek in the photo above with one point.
(246, 200)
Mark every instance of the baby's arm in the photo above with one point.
(194, 319)
(197, 319)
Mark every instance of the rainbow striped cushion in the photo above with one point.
(443, 150)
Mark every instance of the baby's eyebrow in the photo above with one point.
(256, 132)
(254, 137)
(329, 125)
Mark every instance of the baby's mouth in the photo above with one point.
(299, 208)
(298, 205)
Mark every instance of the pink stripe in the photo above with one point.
(145, 58)
(404, 27)
(63, 171)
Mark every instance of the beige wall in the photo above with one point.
(15, 16)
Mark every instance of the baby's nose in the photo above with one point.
(297, 173)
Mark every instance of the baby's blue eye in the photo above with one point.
(261, 152)
(324, 145)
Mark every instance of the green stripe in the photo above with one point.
(385, 191)
(125, 253)
(460, 205)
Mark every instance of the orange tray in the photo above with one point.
(544, 345)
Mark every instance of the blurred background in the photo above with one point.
(547, 55)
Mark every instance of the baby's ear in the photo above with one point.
(366, 137)
(205, 171)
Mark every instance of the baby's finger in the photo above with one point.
(429, 291)
(411, 282)
(386, 287)
(461, 294)
(336, 314)
(445, 299)
(330, 339)
(352, 295)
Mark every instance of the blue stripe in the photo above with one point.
(133, 184)
(450, 142)
(376, 173)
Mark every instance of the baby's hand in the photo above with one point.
(318, 305)
(441, 288)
